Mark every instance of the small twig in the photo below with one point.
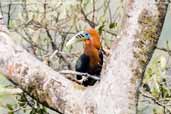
(51, 39)
(61, 55)
(93, 17)
(12, 111)
(51, 56)
(16, 109)
(79, 73)
(58, 52)
(163, 49)
(9, 14)
(29, 103)
(110, 15)
(1, 10)
(110, 32)
(64, 37)
(164, 2)
(28, 39)
(45, 8)
(91, 23)
(11, 91)
(155, 101)
(55, 48)
(152, 98)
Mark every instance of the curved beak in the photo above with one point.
(76, 38)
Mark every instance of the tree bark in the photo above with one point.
(116, 92)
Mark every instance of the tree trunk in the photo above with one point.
(116, 92)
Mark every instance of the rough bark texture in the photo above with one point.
(130, 55)
(116, 93)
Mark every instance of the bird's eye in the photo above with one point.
(87, 35)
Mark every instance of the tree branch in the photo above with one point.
(79, 73)
(34, 77)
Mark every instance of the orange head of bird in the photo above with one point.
(90, 37)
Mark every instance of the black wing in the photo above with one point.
(90, 81)
(101, 59)
(98, 68)
(82, 65)
(101, 56)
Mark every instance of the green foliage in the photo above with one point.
(155, 77)
(150, 109)
(12, 24)
(112, 25)
(39, 110)
(156, 94)
(10, 108)
(12, 101)
(100, 29)
(24, 101)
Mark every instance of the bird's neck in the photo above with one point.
(92, 52)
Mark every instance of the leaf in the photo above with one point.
(112, 25)
(148, 76)
(165, 91)
(10, 112)
(163, 62)
(100, 29)
(9, 106)
(33, 111)
(167, 45)
(156, 88)
(12, 23)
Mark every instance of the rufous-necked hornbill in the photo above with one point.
(91, 60)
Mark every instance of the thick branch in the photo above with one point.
(37, 79)
(131, 54)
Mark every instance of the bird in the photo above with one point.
(91, 60)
